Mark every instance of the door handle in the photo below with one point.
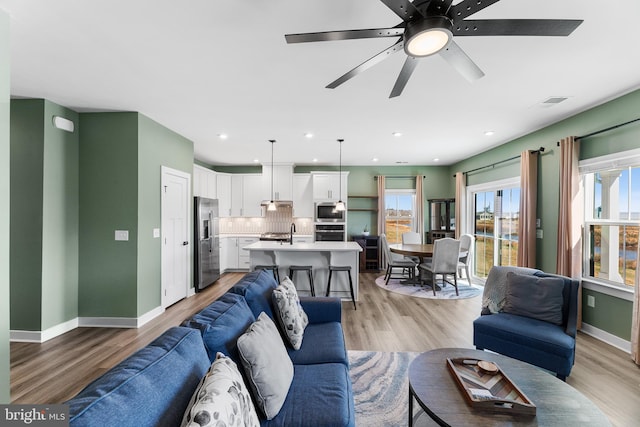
(185, 243)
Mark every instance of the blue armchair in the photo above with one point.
(549, 344)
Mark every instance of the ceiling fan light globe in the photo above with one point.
(427, 36)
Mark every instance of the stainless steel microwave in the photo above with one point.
(326, 212)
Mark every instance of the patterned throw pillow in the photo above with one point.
(221, 398)
(291, 317)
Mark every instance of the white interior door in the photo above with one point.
(175, 235)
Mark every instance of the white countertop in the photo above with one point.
(304, 247)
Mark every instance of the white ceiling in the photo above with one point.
(206, 67)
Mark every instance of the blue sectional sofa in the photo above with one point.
(153, 386)
(548, 345)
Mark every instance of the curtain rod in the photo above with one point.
(399, 176)
(604, 130)
(539, 150)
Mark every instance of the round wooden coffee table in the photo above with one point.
(436, 391)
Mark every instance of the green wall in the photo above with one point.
(121, 155)
(4, 208)
(44, 216)
(108, 202)
(157, 146)
(614, 315)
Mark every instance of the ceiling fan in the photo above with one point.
(428, 27)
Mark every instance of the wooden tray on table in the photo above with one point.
(485, 386)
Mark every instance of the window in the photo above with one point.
(496, 211)
(612, 218)
(399, 213)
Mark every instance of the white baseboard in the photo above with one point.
(42, 336)
(607, 337)
(87, 322)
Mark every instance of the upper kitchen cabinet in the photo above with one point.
(223, 186)
(282, 182)
(246, 195)
(302, 195)
(204, 182)
(327, 185)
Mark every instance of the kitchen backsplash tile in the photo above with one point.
(278, 221)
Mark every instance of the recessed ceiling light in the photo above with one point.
(308, 135)
(256, 161)
(401, 162)
(315, 160)
(489, 133)
(397, 134)
(375, 159)
(436, 160)
(223, 136)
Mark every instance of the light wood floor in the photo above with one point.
(58, 369)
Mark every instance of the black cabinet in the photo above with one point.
(370, 255)
(442, 214)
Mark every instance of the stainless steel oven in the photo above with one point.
(330, 233)
(326, 212)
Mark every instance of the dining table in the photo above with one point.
(421, 251)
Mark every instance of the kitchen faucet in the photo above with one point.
(292, 229)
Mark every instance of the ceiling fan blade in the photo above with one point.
(407, 69)
(439, 7)
(459, 60)
(469, 7)
(344, 35)
(516, 27)
(403, 8)
(367, 64)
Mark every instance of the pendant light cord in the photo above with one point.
(340, 176)
(272, 141)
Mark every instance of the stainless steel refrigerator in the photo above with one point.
(207, 250)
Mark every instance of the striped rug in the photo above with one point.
(381, 389)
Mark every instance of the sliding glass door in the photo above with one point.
(494, 224)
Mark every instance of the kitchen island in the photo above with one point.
(319, 255)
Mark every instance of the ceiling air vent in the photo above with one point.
(554, 100)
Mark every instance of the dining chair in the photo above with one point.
(445, 258)
(413, 238)
(466, 244)
(395, 261)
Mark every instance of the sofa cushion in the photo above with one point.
(151, 387)
(323, 343)
(256, 288)
(221, 398)
(289, 313)
(495, 287)
(266, 364)
(221, 323)
(535, 297)
(320, 395)
(524, 331)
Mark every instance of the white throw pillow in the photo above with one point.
(291, 317)
(267, 365)
(221, 398)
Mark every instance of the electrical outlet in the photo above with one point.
(122, 235)
(537, 222)
(539, 234)
(591, 301)
(156, 233)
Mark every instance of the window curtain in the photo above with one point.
(460, 199)
(635, 320)
(528, 199)
(570, 216)
(381, 216)
(419, 207)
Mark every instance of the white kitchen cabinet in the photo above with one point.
(204, 182)
(236, 195)
(302, 195)
(302, 239)
(223, 186)
(243, 256)
(282, 182)
(252, 195)
(228, 253)
(328, 186)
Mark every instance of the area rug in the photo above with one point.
(381, 389)
(448, 292)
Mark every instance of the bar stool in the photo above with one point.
(308, 269)
(273, 267)
(346, 268)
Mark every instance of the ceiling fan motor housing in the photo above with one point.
(427, 36)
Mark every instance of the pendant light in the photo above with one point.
(271, 206)
(340, 205)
